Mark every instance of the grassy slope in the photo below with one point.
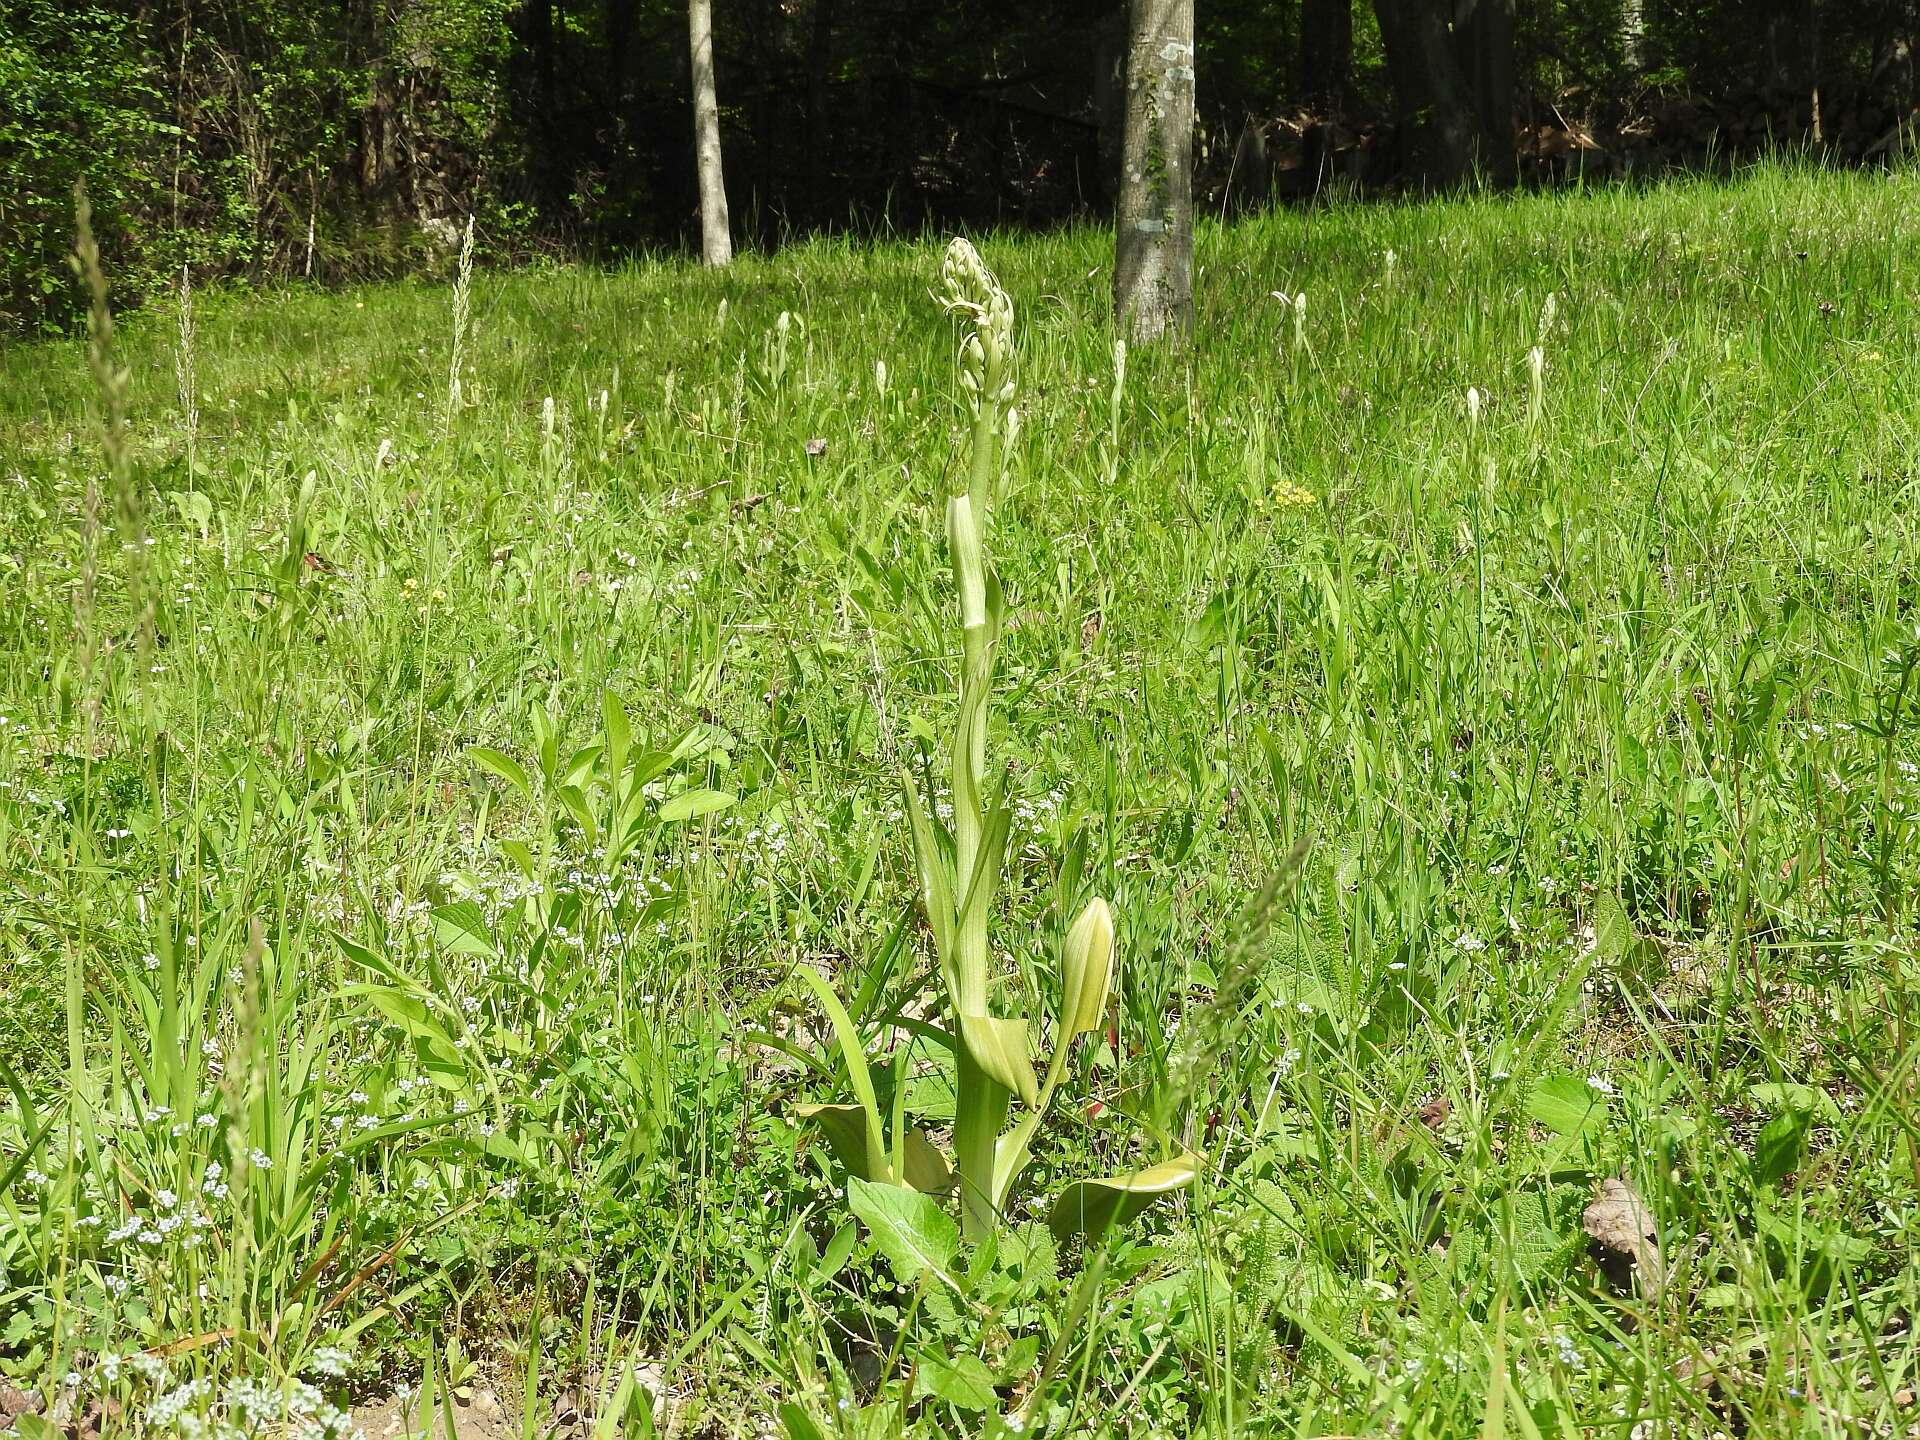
(1600, 725)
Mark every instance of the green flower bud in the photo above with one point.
(1086, 970)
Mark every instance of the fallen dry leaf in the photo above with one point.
(1625, 1239)
(14, 1401)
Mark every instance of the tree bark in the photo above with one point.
(819, 63)
(716, 238)
(1633, 36)
(1109, 89)
(1483, 35)
(1326, 50)
(1153, 233)
(1430, 99)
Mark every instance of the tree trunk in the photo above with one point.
(1813, 70)
(716, 239)
(1153, 233)
(1109, 86)
(819, 63)
(1430, 99)
(1483, 35)
(1633, 35)
(539, 22)
(1326, 50)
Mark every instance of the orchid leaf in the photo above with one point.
(1092, 1207)
(999, 1047)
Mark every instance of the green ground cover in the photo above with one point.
(416, 815)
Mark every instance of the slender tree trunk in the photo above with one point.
(1813, 69)
(1153, 239)
(1326, 49)
(819, 63)
(1633, 35)
(540, 40)
(1435, 112)
(716, 239)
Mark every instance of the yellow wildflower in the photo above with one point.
(1288, 496)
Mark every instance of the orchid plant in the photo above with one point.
(960, 869)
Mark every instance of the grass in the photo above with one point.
(389, 942)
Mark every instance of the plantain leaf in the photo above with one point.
(911, 1229)
(963, 1381)
(505, 766)
(691, 804)
(1092, 1207)
(462, 928)
(999, 1047)
(1567, 1105)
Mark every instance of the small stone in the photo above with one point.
(485, 1404)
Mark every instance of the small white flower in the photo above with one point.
(1601, 1083)
(330, 1360)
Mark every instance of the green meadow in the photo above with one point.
(453, 735)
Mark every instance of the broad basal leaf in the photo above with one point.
(964, 1380)
(462, 928)
(1567, 1105)
(691, 804)
(911, 1229)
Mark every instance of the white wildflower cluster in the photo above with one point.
(1033, 813)
(243, 1407)
(179, 1407)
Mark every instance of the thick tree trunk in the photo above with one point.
(1109, 90)
(1153, 233)
(1326, 49)
(621, 19)
(1483, 36)
(716, 239)
(1435, 111)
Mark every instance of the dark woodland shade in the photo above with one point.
(279, 139)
